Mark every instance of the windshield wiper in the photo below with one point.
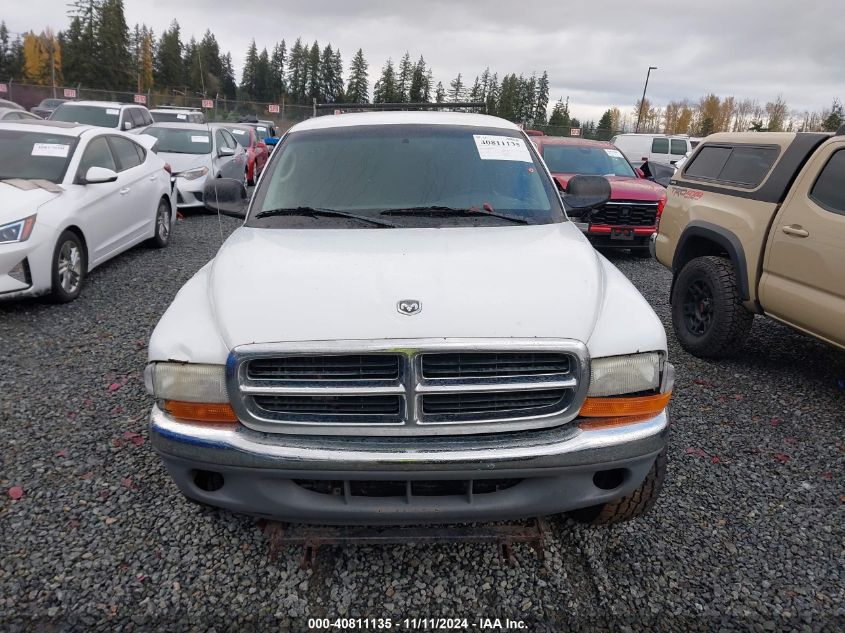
(332, 213)
(436, 211)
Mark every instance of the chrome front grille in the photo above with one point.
(408, 387)
(342, 367)
(492, 364)
(494, 405)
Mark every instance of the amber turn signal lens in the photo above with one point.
(200, 412)
(622, 406)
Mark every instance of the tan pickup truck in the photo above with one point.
(755, 224)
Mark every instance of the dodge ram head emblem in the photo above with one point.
(409, 306)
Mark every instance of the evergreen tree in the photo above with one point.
(145, 62)
(358, 89)
(277, 70)
(263, 77)
(248, 77)
(508, 106)
(209, 62)
(328, 82)
(313, 88)
(835, 119)
(457, 91)
(81, 45)
(191, 74)
(404, 78)
(168, 61)
(336, 87)
(542, 100)
(439, 93)
(114, 57)
(385, 89)
(228, 85)
(560, 114)
(492, 94)
(297, 71)
(604, 129)
(420, 89)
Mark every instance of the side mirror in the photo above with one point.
(97, 175)
(271, 140)
(127, 125)
(640, 172)
(584, 193)
(225, 151)
(226, 196)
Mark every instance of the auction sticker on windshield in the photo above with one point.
(492, 147)
(614, 153)
(112, 111)
(54, 150)
(199, 139)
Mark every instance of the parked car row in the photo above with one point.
(74, 196)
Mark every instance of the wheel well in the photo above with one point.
(76, 230)
(698, 246)
(701, 239)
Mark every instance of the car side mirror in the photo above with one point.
(584, 193)
(127, 125)
(225, 151)
(226, 196)
(97, 175)
(640, 172)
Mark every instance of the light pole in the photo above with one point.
(642, 101)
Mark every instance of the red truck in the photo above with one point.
(633, 212)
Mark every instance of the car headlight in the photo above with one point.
(18, 231)
(190, 392)
(630, 385)
(193, 174)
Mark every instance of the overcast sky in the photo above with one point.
(596, 52)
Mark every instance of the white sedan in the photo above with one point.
(197, 152)
(73, 197)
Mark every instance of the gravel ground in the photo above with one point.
(748, 533)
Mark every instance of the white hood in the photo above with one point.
(16, 204)
(184, 162)
(270, 285)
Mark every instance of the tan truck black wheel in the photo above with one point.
(707, 313)
(630, 506)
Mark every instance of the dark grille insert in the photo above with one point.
(437, 404)
(345, 367)
(619, 213)
(380, 405)
(493, 364)
(418, 488)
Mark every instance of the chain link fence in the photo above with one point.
(216, 109)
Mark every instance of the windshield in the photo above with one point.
(588, 160)
(179, 141)
(262, 132)
(170, 117)
(51, 103)
(424, 170)
(34, 155)
(87, 115)
(241, 135)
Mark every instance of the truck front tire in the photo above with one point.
(707, 312)
(630, 506)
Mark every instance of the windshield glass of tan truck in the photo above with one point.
(425, 175)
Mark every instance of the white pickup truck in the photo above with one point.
(408, 329)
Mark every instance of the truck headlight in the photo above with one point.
(635, 384)
(18, 231)
(190, 391)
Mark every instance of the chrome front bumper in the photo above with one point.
(550, 471)
(563, 446)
